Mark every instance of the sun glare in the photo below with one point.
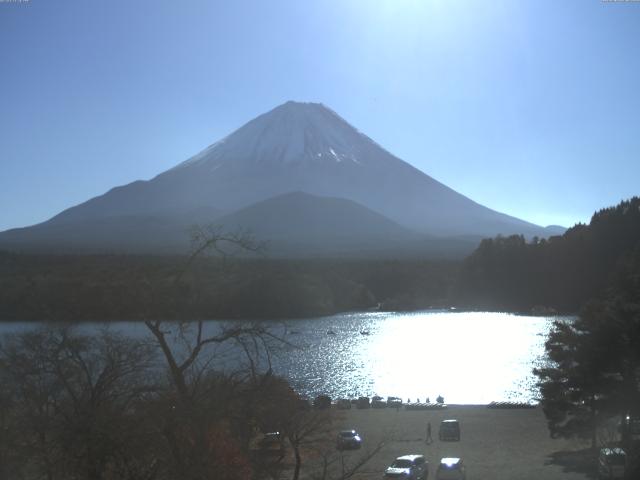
(461, 356)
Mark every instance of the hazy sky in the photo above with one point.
(531, 108)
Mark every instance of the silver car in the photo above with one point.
(451, 468)
(410, 467)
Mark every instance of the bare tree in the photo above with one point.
(74, 399)
(336, 466)
(198, 422)
(234, 402)
(311, 434)
(304, 428)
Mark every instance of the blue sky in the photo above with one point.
(530, 107)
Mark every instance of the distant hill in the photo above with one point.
(302, 224)
(554, 230)
(309, 223)
(562, 272)
(296, 147)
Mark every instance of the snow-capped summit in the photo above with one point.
(293, 132)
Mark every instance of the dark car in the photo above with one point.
(322, 402)
(631, 428)
(348, 439)
(612, 463)
(449, 430)
(272, 445)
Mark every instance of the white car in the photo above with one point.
(612, 463)
(451, 468)
(410, 467)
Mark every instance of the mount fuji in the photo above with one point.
(302, 156)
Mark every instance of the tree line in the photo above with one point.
(562, 272)
(130, 287)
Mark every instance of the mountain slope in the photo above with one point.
(142, 233)
(297, 147)
(292, 225)
(305, 147)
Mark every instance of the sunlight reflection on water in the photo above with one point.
(472, 357)
(468, 357)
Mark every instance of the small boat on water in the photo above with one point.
(331, 332)
(364, 332)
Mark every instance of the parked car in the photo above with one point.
(322, 402)
(363, 402)
(343, 404)
(451, 468)
(378, 402)
(304, 404)
(272, 445)
(630, 428)
(449, 430)
(409, 467)
(394, 401)
(348, 439)
(612, 463)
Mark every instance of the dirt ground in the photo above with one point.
(495, 444)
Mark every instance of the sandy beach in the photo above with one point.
(495, 443)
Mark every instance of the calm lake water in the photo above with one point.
(468, 358)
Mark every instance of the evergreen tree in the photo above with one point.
(594, 370)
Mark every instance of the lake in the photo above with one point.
(467, 357)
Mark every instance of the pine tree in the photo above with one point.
(594, 370)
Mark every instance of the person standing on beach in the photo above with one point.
(428, 439)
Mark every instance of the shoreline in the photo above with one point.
(452, 310)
